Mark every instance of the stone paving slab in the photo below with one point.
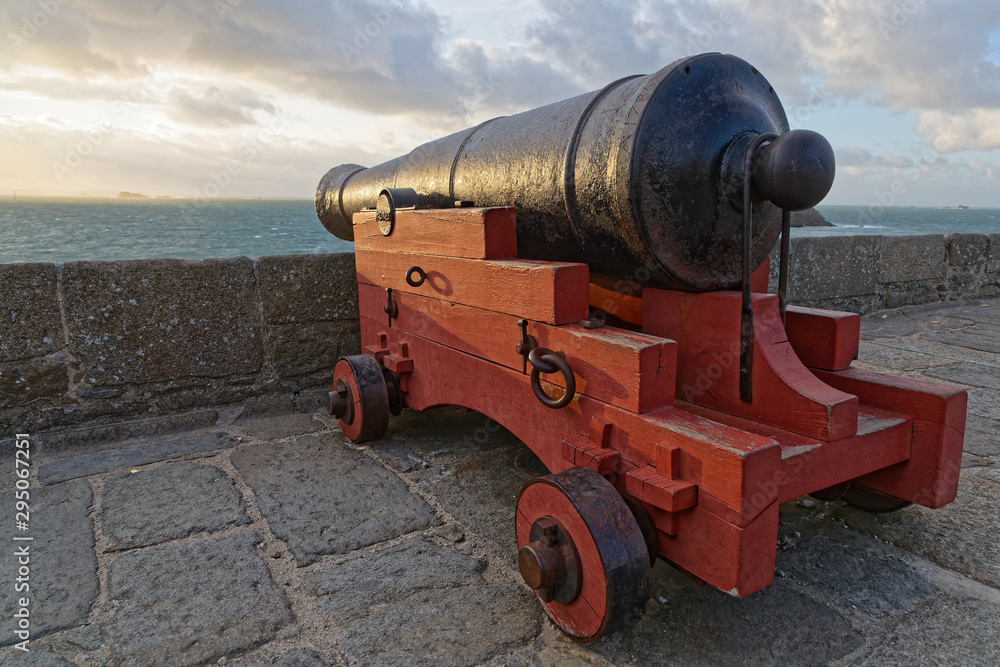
(102, 437)
(418, 603)
(193, 602)
(980, 337)
(72, 467)
(871, 354)
(63, 582)
(276, 427)
(200, 497)
(984, 403)
(962, 536)
(301, 658)
(688, 624)
(855, 573)
(976, 375)
(461, 454)
(947, 632)
(323, 497)
(41, 659)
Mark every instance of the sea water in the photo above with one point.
(64, 230)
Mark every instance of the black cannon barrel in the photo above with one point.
(641, 179)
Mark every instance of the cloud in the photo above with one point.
(215, 107)
(233, 66)
(976, 129)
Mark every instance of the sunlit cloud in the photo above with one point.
(174, 88)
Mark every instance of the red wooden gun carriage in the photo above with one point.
(674, 417)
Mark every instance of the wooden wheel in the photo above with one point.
(359, 398)
(873, 501)
(582, 552)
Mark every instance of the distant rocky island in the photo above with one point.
(809, 218)
(136, 195)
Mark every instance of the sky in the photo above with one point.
(247, 98)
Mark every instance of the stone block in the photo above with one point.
(36, 658)
(193, 602)
(139, 454)
(421, 603)
(782, 625)
(993, 258)
(910, 258)
(961, 536)
(947, 631)
(832, 267)
(297, 289)
(162, 320)
(982, 436)
(468, 462)
(30, 322)
(898, 295)
(173, 501)
(964, 281)
(22, 382)
(301, 658)
(983, 337)
(276, 427)
(63, 564)
(968, 250)
(90, 439)
(308, 347)
(321, 497)
(965, 373)
(879, 583)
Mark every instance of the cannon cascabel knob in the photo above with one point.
(795, 171)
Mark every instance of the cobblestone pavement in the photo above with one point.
(261, 536)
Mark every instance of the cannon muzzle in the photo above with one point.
(642, 179)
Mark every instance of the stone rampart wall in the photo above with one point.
(863, 274)
(92, 341)
(88, 341)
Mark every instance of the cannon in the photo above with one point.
(594, 276)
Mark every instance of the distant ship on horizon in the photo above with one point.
(15, 200)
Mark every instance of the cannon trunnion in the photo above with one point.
(673, 421)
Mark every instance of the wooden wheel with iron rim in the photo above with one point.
(582, 551)
(872, 501)
(359, 399)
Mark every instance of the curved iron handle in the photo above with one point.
(421, 276)
(544, 360)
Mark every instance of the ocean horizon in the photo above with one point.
(65, 229)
